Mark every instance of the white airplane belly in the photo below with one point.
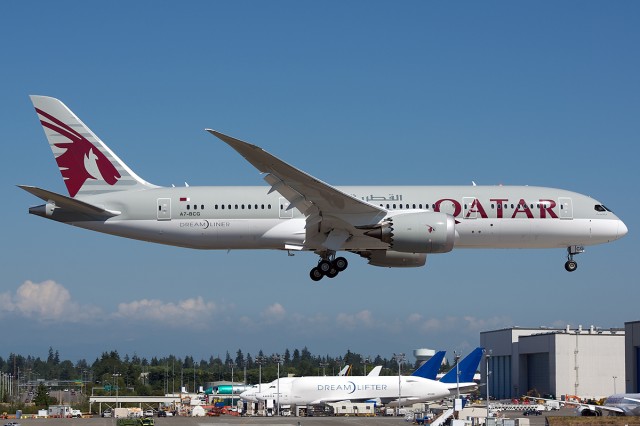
(207, 234)
(533, 233)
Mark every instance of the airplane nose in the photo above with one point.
(622, 229)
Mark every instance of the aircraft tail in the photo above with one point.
(87, 165)
(466, 368)
(429, 370)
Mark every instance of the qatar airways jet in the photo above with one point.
(390, 226)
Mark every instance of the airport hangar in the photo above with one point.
(589, 363)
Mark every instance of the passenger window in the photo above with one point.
(188, 207)
(195, 207)
(201, 206)
(269, 206)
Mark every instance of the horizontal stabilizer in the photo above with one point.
(67, 203)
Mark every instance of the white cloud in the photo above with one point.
(360, 319)
(192, 311)
(274, 313)
(46, 301)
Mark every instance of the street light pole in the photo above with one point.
(614, 384)
(115, 378)
(399, 359)
(278, 359)
(323, 365)
(487, 356)
(365, 361)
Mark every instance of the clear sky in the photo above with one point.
(353, 92)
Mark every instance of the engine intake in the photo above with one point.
(422, 232)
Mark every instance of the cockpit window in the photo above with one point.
(601, 208)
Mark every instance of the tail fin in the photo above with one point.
(87, 165)
(429, 370)
(466, 368)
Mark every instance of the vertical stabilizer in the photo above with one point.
(429, 370)
(87, 165)
(466, 368)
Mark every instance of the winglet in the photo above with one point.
(466, 368)
(429, 370)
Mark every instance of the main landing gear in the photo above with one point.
(328, 266)
(571, 265)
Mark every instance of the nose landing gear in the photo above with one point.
(571, 265)
(329, 266)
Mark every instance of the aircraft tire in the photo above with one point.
(571, 265)
(324, 266)
(340, 263)
(333, 272)
(316, 274)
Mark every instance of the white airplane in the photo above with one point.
(389, 390)
(622, 404)
(390, 226)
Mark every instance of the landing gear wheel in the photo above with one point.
(571, 265)
(324, 266)
(316, 274)
(340, 263)
(333, 272)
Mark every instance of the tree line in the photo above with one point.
(159, 375)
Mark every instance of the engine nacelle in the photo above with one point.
(417, 232)
(394, 259)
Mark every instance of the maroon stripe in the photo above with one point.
(58, 122)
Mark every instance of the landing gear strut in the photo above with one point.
(328, 266)
(571, 265)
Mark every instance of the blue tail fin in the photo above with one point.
(467, 368)
(429, 370)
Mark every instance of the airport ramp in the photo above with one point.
(443, 418)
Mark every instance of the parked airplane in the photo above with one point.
(622, 404)
(389, 390)
(391, 226)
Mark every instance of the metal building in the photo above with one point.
(632, 356)
(588, 363)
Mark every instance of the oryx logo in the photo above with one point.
(81, 160)
(430, 229)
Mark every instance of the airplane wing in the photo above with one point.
(338, 213)
(587, 407)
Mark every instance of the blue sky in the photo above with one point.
(535, 93)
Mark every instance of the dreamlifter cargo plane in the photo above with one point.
(390, 226)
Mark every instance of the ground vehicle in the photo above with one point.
(107, 413)
(148, 413)
(532, 412)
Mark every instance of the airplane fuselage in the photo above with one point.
(251, 218)
(317, 390)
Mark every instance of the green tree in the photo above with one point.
(42, 398)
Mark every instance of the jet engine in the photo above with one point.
(417, 232)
